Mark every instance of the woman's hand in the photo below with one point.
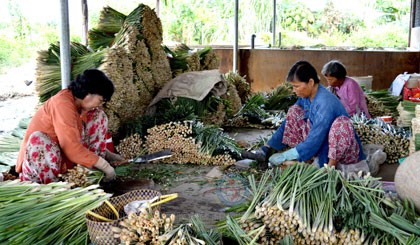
(278, 158)
(115, 159)
(105, 167)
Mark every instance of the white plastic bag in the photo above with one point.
(353, 168)
(138, 206)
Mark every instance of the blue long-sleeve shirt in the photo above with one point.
(321, 113)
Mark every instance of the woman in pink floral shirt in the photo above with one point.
(347, 90)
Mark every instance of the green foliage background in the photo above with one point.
(210, 22)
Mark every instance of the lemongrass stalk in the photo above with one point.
(296, 183)
(257, 192)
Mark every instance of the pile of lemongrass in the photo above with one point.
(322, 206)
(144, 227)
(46, 214)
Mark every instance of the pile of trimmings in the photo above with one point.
(81, 176)
(144, 228)
(178, 136)
(131, 147)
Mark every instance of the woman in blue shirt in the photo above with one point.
(316, 126)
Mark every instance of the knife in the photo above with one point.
(147, 158)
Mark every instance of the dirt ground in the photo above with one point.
(17, 100)
(207, 197)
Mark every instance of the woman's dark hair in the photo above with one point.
(92, 81)
(302, 71)
(334, 68)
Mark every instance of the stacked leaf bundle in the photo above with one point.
(190, 143)
(281, 98)
(109, 24)
(321, 206)
(396, 141)
(48, 71)
(267, 109)
(46, 214)
(242, 86)
(184, 59)
(129, 50)
(382, 103)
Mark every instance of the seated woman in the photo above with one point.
(70, 128)
(317, 126)
(347, 89)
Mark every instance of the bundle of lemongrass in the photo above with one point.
(191, 233)
(80, 176)
(46, 214)
(144, 227)
(382, 103)
(131, 146)
(9, 143)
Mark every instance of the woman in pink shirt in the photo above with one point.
(347, 90)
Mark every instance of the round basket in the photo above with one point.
(100, 232)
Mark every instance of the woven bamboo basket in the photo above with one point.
(100, 232)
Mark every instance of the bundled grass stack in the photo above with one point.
(128, 48)
(184, 59)
(109, 24)
(243, 89)
(48, 72)
(137, 64)
(124, 104)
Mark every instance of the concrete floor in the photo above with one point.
(252, 136)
